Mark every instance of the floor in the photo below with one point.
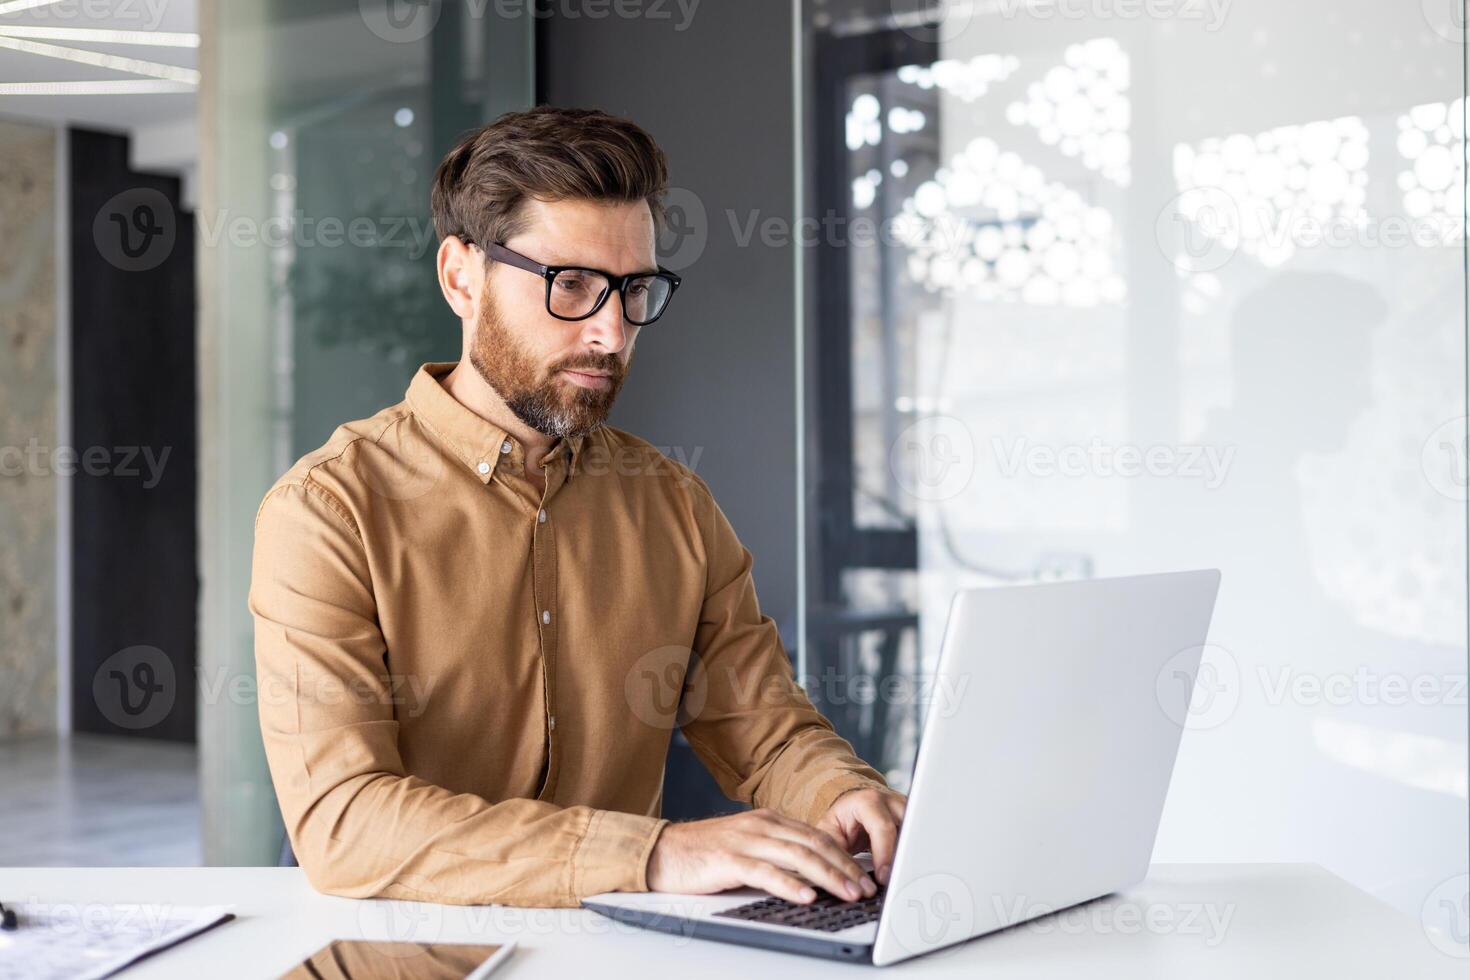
(98, 800)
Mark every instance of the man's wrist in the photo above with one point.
(647, 866)
(837, 788)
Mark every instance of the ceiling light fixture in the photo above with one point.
(161, 39)
(16, 6)
(130, 86)
(136, 66)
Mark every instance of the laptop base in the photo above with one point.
(720, 932)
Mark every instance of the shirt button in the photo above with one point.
(483, 467)
(505, 447)
(551, 724)
(541, 517)
(546, 616)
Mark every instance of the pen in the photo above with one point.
(7, 918)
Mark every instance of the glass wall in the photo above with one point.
(1124, 288)
(321, 124)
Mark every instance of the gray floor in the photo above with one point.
(98, 800)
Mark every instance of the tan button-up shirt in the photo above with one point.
(468, 686)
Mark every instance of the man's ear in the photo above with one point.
(461, 276)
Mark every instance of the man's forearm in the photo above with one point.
(815, 766)
(381, 835)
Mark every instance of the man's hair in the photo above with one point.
(548, 153)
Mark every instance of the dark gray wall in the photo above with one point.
(135, 547)
(716, 375)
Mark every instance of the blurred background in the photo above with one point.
(992, 292)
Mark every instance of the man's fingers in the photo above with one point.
(882, 830)
(796, 856)
(825, 845)
(898, 806)
(761, 874)
(829, 826)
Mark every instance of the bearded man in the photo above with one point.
(480, 614)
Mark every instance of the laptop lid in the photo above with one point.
(1042, 772)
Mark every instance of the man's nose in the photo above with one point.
(606, 328)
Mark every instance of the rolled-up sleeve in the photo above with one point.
(360, 824)
(748, 720)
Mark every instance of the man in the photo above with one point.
(481, 612)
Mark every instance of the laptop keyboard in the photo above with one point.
(827, 914)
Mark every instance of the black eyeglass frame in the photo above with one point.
(500, 253)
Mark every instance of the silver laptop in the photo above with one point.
(1039, 783)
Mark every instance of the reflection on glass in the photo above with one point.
(1141, 303)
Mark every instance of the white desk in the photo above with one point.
(1226, 921)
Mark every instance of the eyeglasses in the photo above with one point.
(575, 293)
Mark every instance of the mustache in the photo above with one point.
(607, 364)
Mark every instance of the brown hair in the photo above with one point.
(548, 153)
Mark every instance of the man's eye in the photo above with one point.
(638, 289)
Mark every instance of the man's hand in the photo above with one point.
(759, 849)
(867, 820)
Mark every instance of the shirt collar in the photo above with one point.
(478, 442)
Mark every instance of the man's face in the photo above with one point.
(557, 376)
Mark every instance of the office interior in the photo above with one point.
(974, 293)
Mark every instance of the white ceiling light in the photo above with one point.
(15, 6)
(136, 66)
(161, 39)
(128, 86)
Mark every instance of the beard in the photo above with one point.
(547, 403)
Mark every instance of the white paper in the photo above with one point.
(90, 940)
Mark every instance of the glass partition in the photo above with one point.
(322, 122)
(1110, 289)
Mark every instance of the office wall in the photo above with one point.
(714, 380)
(28, 381)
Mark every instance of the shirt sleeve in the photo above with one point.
(362, 826)
(745, 716)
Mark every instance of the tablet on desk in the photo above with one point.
(367, 959)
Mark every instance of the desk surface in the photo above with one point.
(1197, 921)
